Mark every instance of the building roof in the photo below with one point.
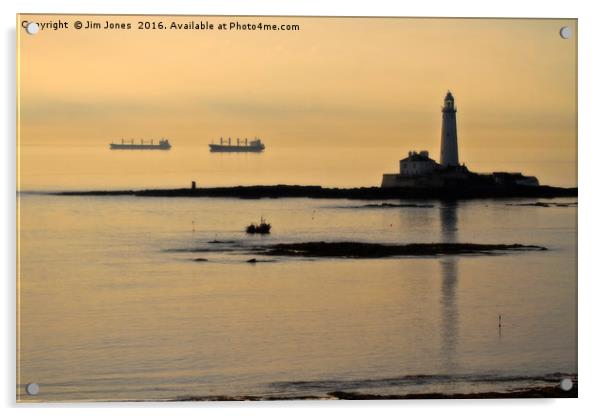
(422, 156)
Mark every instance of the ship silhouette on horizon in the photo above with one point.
(254, 145)
(131, 145)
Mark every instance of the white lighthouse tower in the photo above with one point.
(449, 133)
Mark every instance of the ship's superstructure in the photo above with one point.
(245, 145)
(142, 145)
(418, 170)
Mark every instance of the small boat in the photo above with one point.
(261, 228)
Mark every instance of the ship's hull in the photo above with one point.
(130, 146)
(228, 148)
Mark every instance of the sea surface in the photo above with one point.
(112, 305)
(86, 167)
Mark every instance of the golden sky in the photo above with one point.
(354, 82)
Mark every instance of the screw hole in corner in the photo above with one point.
(565, 32)
(32, 389)
(32, 28)
(566, 384)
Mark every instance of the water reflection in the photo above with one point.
(448, 215)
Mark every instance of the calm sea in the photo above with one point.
(67, 167)
(113, 307)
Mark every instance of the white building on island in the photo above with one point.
(418, 170)
(417, 163)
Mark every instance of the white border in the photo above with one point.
(590, 136)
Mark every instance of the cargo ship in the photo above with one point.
(254, 145)
(124, 145)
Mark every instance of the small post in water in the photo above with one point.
(499, 326)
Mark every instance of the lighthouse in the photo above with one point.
(418, 170)
(449, 133)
